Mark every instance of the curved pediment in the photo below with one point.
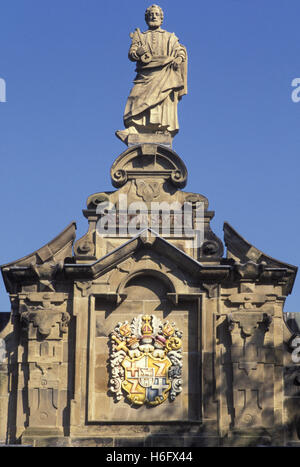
(148, 160)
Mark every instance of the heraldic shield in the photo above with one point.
(146, 379)
(146, 361)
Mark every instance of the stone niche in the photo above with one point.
(234, 378)
(145, 294)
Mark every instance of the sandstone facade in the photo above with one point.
(239, 382)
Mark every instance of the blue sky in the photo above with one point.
(67, 80)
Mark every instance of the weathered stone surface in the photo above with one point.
(234, 340)
(160, 83)
(91, 442)
(82, 319)
(149, 138)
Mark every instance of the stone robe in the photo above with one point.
(152, 103)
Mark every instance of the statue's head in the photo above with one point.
(154, 16)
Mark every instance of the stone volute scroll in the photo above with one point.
(148, 162)
(161, 81)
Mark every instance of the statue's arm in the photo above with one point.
(180, 56)
(132, 54)
(136, 49)
(180, 53)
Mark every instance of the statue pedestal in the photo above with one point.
(151, 138)
(134, 139)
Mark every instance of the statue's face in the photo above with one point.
(154, 19)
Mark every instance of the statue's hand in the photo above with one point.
(141, 51)
(177, 62)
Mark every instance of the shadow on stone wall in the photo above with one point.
(4, 318)
(259, 421)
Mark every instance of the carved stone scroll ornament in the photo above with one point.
(146, 361)
(148, 164)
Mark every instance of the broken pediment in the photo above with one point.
(251, 262)
(43, 264)
(143, 332)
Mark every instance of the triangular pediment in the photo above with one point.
(150, 240)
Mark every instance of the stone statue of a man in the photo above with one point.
(160, 81)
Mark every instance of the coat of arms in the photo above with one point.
(146, 360)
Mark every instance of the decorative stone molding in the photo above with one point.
(250, 300)
(148, 237)
(45, 320)
(212, 289)
(249, 321)
(148, 161)
(47, 273)
(85, 246)
(41, 312)
(83, 287)
(148, 190)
